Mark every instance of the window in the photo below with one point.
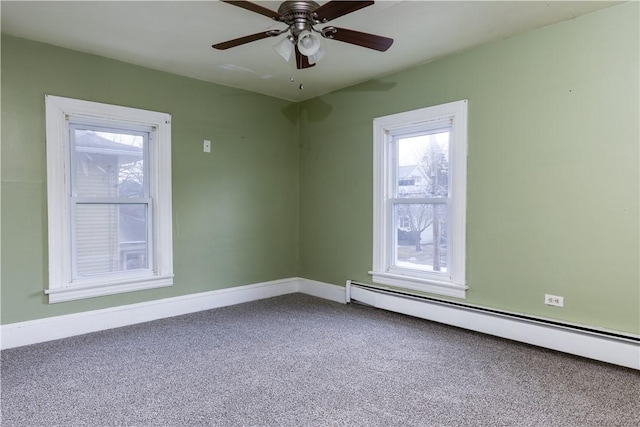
(109, 205)
(419, 214)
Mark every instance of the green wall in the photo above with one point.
(234, 210)
(553, 191)
(553, 169)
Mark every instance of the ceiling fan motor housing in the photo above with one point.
(298, 15)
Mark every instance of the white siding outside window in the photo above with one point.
(420, 199)
(109, 199)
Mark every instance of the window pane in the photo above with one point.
(421, 241)
(108, 164)
(423, 165)
(110, 238)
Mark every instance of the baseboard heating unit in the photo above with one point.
(606, 346)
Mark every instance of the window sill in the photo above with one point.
(89, 291)
(419, 284)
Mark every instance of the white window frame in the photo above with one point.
(62, 286)
(453, 282)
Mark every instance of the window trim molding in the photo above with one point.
(57, 111)
(383, 128)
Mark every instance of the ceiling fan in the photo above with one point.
(300, 18)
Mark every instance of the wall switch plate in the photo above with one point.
(554, 300)
(206, 146)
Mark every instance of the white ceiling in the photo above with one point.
(176, 36)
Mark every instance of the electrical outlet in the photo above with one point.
(554, 300)
(206, 146)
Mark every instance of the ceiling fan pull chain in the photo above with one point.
(292, 69)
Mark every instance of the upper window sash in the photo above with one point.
(144, 132)
(393, 156)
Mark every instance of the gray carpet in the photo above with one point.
(301, 361)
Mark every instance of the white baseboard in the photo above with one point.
(323, 290)
(619, 351)
(53, 328)
(599, 347)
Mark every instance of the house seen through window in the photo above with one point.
(110, 200)
(422, 171)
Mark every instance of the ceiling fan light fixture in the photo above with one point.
(284, 48)
(308, 43)
(317, 56)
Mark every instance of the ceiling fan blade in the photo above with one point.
(334, 9)
(302, 61)
(241, 40)
(255, 8)
(370, 41)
